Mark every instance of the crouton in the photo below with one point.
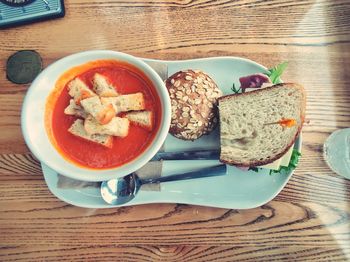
(77, 129)
(116, 127)
(103, 87)
(110, 100)
(130, 102)
(141, 118)
(102, 113)
(71, 108)
(125, 103)
(78, 90)
(92, 105)
(75, 110)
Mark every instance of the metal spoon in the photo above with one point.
(122, 190)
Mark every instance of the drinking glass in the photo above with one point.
(336, 151)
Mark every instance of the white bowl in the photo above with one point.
(33, 121)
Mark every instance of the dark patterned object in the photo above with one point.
(19, 12)
(16, 2)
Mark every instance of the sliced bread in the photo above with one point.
(77, 129)
(250, 134)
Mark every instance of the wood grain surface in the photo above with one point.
(308, 220)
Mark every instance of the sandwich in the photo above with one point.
(259, 127)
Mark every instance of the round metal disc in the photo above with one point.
(23, 66)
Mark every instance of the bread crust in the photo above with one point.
(302, 120)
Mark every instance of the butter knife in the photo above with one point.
(188, 155)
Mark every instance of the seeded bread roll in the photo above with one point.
(193, 97)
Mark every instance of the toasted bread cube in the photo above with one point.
(116, 127)
(125, 103)
(103, 87)
(78, 90)
(78, 130)
(92, 105)
(71, 108)
(75, 110)
(102, 113)
(75, 86)
(131, 102)
(141, 118)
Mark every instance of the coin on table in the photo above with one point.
(23, 66)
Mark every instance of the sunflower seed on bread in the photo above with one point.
(247, 136)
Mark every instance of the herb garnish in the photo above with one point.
(234, 90)
(275, 73)
(292, 163)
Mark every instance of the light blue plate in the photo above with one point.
(236, 190)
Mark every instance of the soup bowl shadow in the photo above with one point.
(35, 131)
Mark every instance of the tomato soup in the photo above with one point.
(127, 80)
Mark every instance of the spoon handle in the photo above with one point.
(218, 170)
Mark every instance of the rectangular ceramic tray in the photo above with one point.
(236, 190)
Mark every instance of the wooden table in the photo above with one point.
(308, 220)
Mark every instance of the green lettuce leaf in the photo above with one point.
(292, 163)
(275, 73)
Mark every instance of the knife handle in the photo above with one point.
(189, 155)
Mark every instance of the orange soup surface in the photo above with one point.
(127, 80)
